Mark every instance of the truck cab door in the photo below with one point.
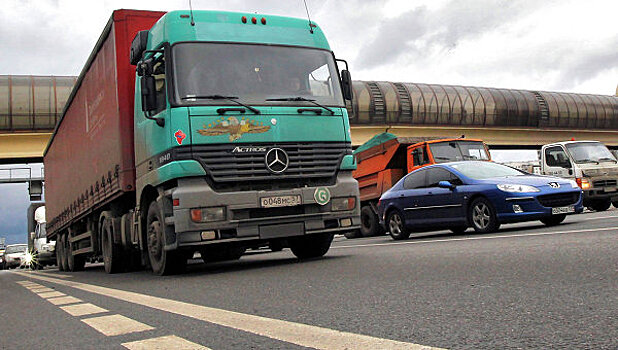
(556, 162)
(417, 157)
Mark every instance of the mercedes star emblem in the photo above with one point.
(277, 160)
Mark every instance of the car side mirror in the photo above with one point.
(446, 184)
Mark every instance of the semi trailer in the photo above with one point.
(201, 131)
(385, 159)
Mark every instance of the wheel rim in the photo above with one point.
(395, 225)
(154, 242)
(481, 215)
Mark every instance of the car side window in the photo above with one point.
(414, 180)
(435, 175)
(455, 180)
(555, 156)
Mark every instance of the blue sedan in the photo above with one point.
(482, 195)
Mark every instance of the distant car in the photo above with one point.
(14, 255)
(482, 195)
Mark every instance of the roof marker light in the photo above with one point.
(244, 19)
(254, 20)
(263, 21)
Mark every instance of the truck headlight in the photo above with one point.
(208, 214)
(513, 188)
(343, 203)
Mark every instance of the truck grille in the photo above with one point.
(604, 183)
(559, 200)
(307, 162)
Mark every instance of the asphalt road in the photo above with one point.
(527, 286)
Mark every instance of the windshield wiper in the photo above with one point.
(221, 97)
(298, 98)
(607, 159)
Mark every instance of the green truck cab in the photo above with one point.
(241, 136)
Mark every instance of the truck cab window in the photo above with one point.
(419, 156)
(555, 156)
(160, 86)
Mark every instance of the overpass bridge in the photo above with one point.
(30, 107)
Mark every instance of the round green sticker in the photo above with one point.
(321, 195)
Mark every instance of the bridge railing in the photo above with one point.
(18, 175)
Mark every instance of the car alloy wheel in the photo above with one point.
(481, 215)
(396, 226)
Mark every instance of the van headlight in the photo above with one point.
(512, 188)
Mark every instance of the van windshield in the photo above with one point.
(254, 74)
(586, 152)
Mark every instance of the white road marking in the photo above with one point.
(291, 332)
(51, 295)
(604, 229)
(113, 325)
(83, 309)
(29, 284)
(64, 300)
(164, 343)
(41, 290)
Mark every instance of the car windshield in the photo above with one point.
(16, 249)
(585, 152)
(485, 170)
(452, 151)
(253, 74)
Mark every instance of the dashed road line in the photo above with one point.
(286, 331)
(604, 229)
(83, 309)
(113, 325)
(51, 295)
(64, 300)
(164, 343)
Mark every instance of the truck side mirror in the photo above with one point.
(138, 46)
(346, 84)
(149, 98)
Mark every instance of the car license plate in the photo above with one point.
(280, 201)
(563, 210)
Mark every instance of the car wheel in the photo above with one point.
(600, 204)
(482, 216)
(458, 230)
(311, 246)
(553, 220)
(162, 262)
(396, 227)
(370, 225)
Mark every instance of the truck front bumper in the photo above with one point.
(246, 220)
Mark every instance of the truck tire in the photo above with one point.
(396, 226)
(59, 253)
(370, 225)
(482, 216)
(74, 263)
(553, 220)
(600, 204)
(112, 253)
(162, 262)
(311, 246)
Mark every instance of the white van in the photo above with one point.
(44, 252)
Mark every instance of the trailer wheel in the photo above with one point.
(59, 253)
(370, 225)
(112, 253)
(74, 263)
(600, 204)
(162, 262)
(311, 246)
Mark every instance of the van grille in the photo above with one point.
(559, 200)
(604, 183)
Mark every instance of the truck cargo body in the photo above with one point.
(210, 148)
(386, 158)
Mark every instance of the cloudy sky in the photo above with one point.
(569, 46)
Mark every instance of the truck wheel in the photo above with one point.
(74, 263)
(396, 226)
(162, 262)
(600, 204)
(553, 220)
(311, 246)
(482, 216)
(370, 225)
(112, 253)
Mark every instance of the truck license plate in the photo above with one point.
(280, 201)
(563, 210)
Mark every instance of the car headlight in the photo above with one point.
(517, 188)
(573, 184)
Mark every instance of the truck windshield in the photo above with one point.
(254, 74)
(451, 151)
(587, 152)
(16, 249)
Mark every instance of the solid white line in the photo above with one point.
(610, 229)
(291, 332)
